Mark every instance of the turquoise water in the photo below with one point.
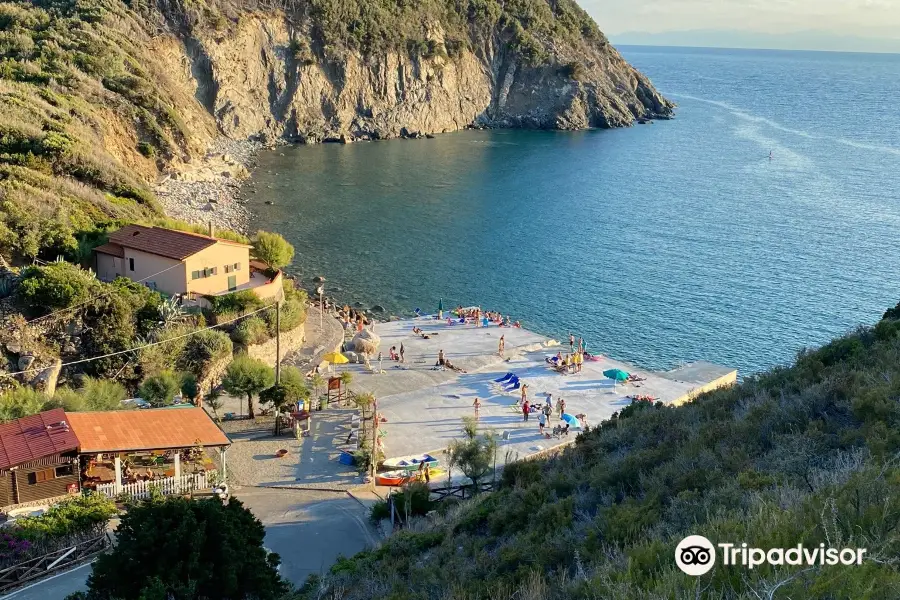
(675, 241)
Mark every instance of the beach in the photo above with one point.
(423, 404)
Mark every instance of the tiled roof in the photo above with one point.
(162, 242)
(150, 429)
(34, 437)
(113, 249)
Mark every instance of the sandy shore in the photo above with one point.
(424, 406)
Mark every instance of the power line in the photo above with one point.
(62, 310)
(178, 337)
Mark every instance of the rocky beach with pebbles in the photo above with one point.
(210, 190)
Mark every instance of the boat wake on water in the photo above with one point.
(742, 114)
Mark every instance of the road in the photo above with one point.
(308, 529)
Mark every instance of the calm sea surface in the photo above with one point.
(675, 241)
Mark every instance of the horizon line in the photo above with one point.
(710, 47)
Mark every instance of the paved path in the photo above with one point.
(311, 462)
(55, 587)
(309, 530)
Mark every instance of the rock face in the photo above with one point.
(250, 81)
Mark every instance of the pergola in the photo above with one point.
(159, 431)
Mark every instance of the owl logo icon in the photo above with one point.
(695, 555)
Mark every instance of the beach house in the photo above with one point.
(184, 264)
(38, 459)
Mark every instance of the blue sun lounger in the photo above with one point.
(513, 388)
(506, 377)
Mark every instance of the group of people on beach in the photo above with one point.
(351, 318)
(573, 360)
(483, 318)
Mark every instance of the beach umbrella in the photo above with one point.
(616, 375)
(335, 358)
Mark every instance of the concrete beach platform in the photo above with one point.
(424, 406)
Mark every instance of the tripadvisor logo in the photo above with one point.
(696, 555)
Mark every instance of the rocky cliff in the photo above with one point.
(271, 73)
(99, 99)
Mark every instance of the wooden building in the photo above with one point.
(38, 459)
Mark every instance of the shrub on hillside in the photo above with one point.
(204, 348)
(55, 286)
(252, 330)
(236, 303)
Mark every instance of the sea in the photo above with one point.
(763, 219)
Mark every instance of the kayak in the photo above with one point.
(410, 463)
(393, 478)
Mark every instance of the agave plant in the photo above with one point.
(170, 312)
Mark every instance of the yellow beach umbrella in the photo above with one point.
(336, 358)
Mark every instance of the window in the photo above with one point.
(131, 264)
(65, 471)
(229, 268)
(41, 476)
(237, 266)
(195, 274)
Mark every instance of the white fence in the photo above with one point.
(169, 485)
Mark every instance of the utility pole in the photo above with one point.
(321, 290)
(374, 458)
(278, 342)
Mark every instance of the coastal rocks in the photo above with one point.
(378, 308)
(208, 192)
(254, 89)
(25, 362)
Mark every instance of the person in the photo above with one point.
(582, 419)
(477, 405)
(440, 361)
(549, 401)
(568, 363)
(502, 345)
(571, 343)
(424, 472)
(548, 410)
(542, 421)
(581, 344)
(401, 352)
(525, 393)
(561, 407)
(578, 361)
(393, 352)
(525, 409)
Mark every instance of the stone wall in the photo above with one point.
(290, 340)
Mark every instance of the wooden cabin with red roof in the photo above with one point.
(38, 459)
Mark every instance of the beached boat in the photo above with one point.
(393, 478)
(410, 463)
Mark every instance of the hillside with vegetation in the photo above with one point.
(101, 98)
(801, 454)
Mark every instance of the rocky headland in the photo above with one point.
(158, 107)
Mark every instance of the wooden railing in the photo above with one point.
(461, 491)
(41, 566)
(170, 485)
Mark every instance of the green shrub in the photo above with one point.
(204, 348)
(146, 149)
(252, 330)
(160, 389)
(238, 303)
(77, 515)
(21, 402)
(58, 285)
